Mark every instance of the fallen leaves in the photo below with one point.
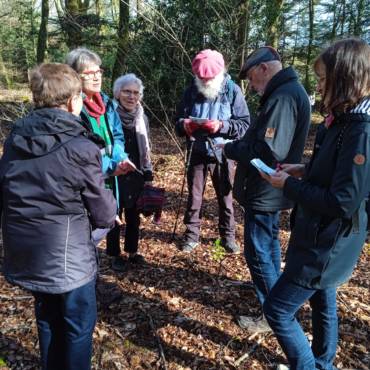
(179, 310)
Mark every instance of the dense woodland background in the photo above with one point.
(178, 312)
(157, 39)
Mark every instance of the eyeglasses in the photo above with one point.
(136, 94)
(89, 75)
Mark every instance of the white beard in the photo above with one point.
(211, 88)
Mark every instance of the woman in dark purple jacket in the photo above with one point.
(51, 197)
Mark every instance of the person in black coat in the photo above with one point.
(329, 219)
(277, 135)
(128, 92)
(51, 197)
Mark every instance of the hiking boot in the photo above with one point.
(188, 246)
(119, 264)
(253, 324)
(231, 247)
(136, 259)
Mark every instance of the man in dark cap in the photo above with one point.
(276, 136)
(213, 110)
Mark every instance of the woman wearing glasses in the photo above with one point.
(128, 91)
(100, 118)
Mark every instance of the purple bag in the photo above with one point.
(151, 201)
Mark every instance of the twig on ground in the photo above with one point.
(160, 348)
(246, 355)
(15, 298)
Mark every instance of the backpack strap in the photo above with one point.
(230, 90)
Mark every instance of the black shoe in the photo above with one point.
(119, 264)
(253, 324)
(137, 259)
(188, 246)
(230, 247)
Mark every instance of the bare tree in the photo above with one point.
(273, 13)
(43, 32)
(123, 38)
(75, 10)
(311, 14)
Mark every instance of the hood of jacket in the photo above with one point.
(45, 130)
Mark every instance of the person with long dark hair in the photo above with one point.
(329, 219)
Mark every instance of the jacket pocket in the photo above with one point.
(327, 235)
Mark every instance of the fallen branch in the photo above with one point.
(15, 298)
(246, 355)
(160, 348)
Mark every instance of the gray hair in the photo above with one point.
(79, 58)
(124, 80)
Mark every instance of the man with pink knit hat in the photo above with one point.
(212, 111)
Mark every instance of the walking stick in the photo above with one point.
(192, 140)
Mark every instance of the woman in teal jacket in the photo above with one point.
(329, 220)
(100, 118)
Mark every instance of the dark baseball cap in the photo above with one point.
(261, 55)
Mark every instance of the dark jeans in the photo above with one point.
(197, 176)
(65, 324)
(262, 250)
(280, 308)
(132, 219)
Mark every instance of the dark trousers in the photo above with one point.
(197, 176)
(132, 219)
(65, 324)
(280, 308)
(262, 249)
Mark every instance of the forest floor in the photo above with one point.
(179, 310)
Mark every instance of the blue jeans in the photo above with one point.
(280, 307)
(262, 250)
(65, 324)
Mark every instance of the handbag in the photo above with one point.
(151, 201)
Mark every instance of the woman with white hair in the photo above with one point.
(128, 92)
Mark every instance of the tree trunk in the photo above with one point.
(43, 32)
(123, 38)
(343, 17)
(311, 14)
(243, 35)
(99, 12)
(358, 23)
(4, 76)
(335, 21)
(243, 30)
(273, 10)
(74, 9)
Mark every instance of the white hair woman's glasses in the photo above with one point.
(126, 92)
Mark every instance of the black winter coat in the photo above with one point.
(277, 135)
(329, 220)
(52, 191)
